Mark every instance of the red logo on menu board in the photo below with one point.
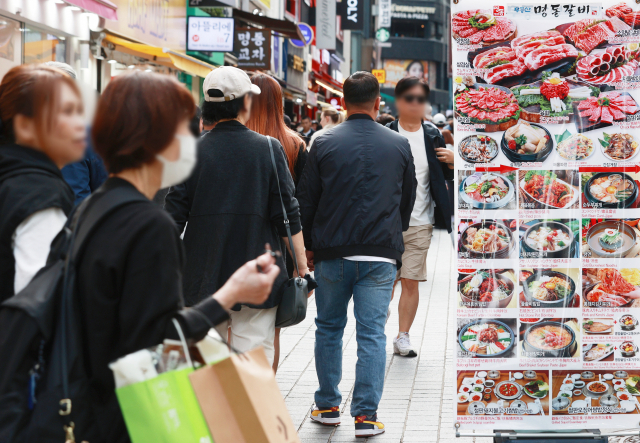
(498, 11)
(195, 38)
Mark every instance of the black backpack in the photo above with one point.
(44, 390)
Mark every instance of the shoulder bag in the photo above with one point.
(293, 307)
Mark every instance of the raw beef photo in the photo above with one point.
(487, 105)
(618, 10)
(609, 106)
(499, 72)
(611, 66)
(588, 33)
(494, 57)
(544, 56)
(481, 27)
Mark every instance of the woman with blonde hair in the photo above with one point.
(331, 118)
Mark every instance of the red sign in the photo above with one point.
(498, 11)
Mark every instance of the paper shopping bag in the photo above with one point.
(241, 401)
(163, 409)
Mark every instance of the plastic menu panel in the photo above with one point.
(547, 131)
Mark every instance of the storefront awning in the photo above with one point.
(165, 57)
(328, 82)
(282, 27)
(104, 8)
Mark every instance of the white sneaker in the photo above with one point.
(402, 346)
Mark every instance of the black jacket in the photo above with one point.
(232, 207)
(29, 182)
(357, 191)
(438, 173)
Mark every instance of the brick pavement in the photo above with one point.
(417, 403)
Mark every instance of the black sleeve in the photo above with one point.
(287, 190)
(300, 162)
(152, 290)
(446, 171)
(309, 192)
(409, 186)
(178, 205)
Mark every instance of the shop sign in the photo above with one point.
(253, 47)
(353, 14)
(395, 70)
(326, 24)
(380, 74)
(159, 23)
(210, 34)
(384, 13)
(312, 98)
(307, 33)
(411, 12)
(296, 63)
(547, 332)
(383, 35)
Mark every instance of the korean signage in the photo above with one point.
(384, 13)
(352, 14)
(253, 47)
(547, 209)
(296, 63)
(380, 74)
(326, 24)
(210, 34)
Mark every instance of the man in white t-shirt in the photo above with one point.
(411, 100)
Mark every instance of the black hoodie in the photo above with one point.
(29, 182)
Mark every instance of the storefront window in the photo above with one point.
(292, 8)
(41, 47)
(10, 45)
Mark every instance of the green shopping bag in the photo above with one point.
(164, 409)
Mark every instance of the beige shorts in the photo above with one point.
(417, 240)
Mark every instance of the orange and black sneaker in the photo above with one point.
(368, 426)
(326, 416)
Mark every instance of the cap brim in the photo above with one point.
(255, 89)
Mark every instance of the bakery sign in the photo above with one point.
(253, 47)
(411, 12)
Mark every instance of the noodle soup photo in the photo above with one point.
(487, 288)
(610, 238)
(486, 238)
(541, 238)
(549, 288)
(486, 338)
(486, 190)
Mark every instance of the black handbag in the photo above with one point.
(293, 307)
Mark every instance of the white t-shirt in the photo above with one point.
(423, 208)
(371, 258)
(32, 243)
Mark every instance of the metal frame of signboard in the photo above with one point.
(504, 436)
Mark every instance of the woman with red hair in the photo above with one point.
(267, 118)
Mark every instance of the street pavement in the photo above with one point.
(417, 403)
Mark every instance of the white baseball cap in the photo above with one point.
(439, 119)
(233, 82)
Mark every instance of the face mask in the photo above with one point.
(178, 171)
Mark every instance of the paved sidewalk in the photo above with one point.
(417, 404)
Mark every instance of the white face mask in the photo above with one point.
(178, 171)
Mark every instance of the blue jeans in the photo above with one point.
(371, 284)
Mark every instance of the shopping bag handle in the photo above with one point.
(176, 323)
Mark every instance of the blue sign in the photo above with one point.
(307, 33)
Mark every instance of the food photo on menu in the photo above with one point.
(552, 238)
(486, 288)
(486, 190)
(597, 326)
(597, 352)
(628, 351)
(549, 288)
(486, 238)
(595, 392)
(556, 189)
(486, 338)
(610, 238)
(612, 288)
(500, 392)
(549, 338)
(610, 190)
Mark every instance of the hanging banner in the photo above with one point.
(325, 24)
(384, 13)
(253, 46)
(547, 132)
(353, 14)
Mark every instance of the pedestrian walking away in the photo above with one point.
(42, 129)
(433, 164)
(356, 196)
(330, 119)
(232, 206)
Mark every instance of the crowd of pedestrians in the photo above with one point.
(246, 203)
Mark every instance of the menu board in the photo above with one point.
(547, 131)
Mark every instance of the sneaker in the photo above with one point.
(368, 426)
(326, 416)
(402, 345)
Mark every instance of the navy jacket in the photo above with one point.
(357, 191)
(85, 176)
(438, 173)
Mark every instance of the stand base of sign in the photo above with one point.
(565, 436)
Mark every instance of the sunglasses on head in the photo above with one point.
(415, 98)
